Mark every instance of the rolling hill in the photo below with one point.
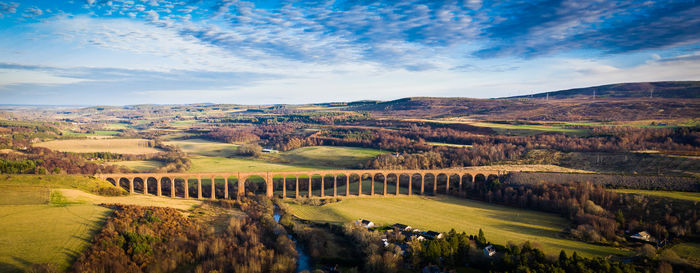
(685, 89)
(616, 102)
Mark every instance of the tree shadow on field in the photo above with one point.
(9, 268)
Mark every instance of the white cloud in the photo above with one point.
(17, 76)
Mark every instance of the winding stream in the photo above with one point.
(304, 261)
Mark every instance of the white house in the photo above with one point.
(489, 250)
(364, 223)
(644, 236)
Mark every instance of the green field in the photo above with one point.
(501, 224)
(94, 133)
(302, 159)
(528, 129)
(513, 129)
(449, 144)
(23, 195)
(205, 147)
(690, 196)
(689, 252)
(329, 157)
(33, 231)
(79, 182)
(57, 234)
(141, 165)
(223, 164)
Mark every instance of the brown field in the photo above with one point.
(117, 146)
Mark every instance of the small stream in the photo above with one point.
(304, 261)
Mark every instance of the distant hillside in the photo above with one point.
(689, 89)
(617, 102)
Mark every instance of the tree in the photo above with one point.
(250, 149)
(481, 239)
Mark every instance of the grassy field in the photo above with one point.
(223, 164)
(501, 224)
(449, 144)
(689, 252)
(50, 219)
(205, 147)
(512, 129)
(23, 195)
(32, 231)
(307, 158)
(690, 196)
(329, 157)
(117, 146)
(57, 234)
(81, 197)
(141, 165)
(79, 182)
(95, 133)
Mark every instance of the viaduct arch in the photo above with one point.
(319, 183)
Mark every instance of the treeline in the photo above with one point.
(668, 183)
(20, 134)
(599, 215)
(284, 116)
(37, 160)
(459, 249)
(152, 239)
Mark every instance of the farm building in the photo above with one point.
(644, 236)
(364, 223)
(401, 227)
(489, 250)
(433, 235)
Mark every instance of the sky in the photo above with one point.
(102, 52)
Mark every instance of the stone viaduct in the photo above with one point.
(414, 182)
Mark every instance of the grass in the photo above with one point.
(93, 134)
(205, 147)
(23, 195)
(329, 157)
(69, 196)
(33, 231)
(50, 219)
(141, 165)
(528, 129)
(223, 164)
(690, 196)
(689, 252)
(302, 159)
(513, 129)
(501, 224)
(117, 146)
(79, 182)
(116, 126)
(57, 234)
(449, 144)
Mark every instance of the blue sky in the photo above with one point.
(90, 52)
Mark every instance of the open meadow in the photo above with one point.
(209, 157)
(205, 147)
(329, 157)
(117, 146)
(500, 224)
(141, 165)
(62, 214)
(690, 196)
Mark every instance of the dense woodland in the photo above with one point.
(599, 215)
(152, 239)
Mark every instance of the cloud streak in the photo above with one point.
(244, 47)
